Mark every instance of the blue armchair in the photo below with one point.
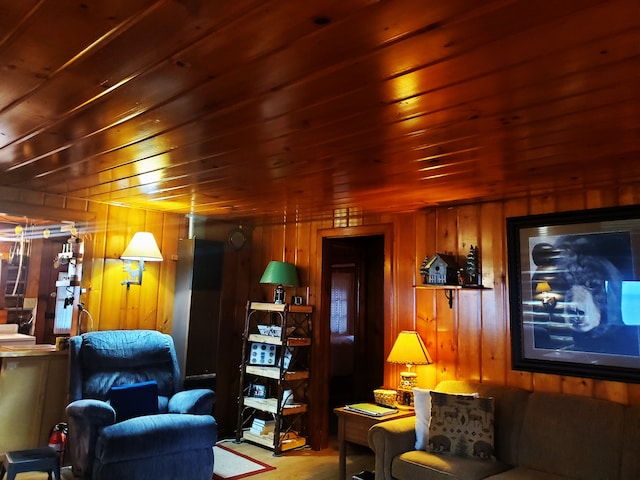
(121, 433)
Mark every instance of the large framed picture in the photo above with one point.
(574, 293)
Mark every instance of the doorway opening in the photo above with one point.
(354, 272)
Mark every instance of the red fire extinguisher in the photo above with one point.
(58, 438)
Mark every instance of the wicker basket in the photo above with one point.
(385, 397)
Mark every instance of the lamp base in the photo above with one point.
(408, 380)
(404, 399)
(279, 295)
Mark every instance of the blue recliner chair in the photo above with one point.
(146, 427)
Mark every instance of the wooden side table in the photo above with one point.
(354, 427)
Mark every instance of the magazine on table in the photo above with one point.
(371, 409)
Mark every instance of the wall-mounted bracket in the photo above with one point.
(449, 294)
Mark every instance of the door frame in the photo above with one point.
(319, 392)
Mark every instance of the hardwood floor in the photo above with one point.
(307, 464)
(304, 464)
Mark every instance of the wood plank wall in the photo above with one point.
(109, 228)
(111, 304)
(471, 339)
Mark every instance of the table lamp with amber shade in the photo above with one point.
(408, 350)
(543, 291)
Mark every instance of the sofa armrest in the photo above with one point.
(86, 419)
(197, 401)
(389, 439)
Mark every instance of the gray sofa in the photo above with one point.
(538, 436)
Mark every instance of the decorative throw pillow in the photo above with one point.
(422, 404)
(134, 400)
(461, 425)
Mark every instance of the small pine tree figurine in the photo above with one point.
(472, 266)
(424, 271)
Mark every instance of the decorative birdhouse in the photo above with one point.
(440, 269)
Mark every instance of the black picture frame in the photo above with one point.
(257, 390)
(574, 293)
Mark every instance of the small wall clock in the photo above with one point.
(237, 238)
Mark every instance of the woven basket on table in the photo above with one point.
(385, 397)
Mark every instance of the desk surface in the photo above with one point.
(12, 351)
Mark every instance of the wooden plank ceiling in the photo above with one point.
(272, 108)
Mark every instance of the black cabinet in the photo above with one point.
(196, 314)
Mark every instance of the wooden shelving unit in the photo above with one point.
(283, 367)
(13, 280)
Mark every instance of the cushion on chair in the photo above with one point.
(198, 400)
(119, 349)
(462, 425)
(119, 357)
(422, 404)
(155, 435)
(134, 400)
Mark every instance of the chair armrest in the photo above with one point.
(86, 419)
(389, 439)
(198, 401)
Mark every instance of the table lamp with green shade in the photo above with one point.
(281, 274)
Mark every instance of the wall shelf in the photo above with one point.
(267, 366)
(449, 289)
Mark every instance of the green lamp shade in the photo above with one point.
(280, 273)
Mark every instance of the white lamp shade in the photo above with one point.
(142, 246)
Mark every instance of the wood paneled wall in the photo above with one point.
(106, 231)
(470, 340)
(112, 305)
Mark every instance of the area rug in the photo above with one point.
(231, 465)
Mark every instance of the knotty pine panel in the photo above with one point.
(493, 328)
(446, 317)
(469, 302)
(93, 264)
(169, 229)
(302, 257)
(469, 342)
(426, 324)
(404, 271)
(110, 314)
(404, 299)
(512, 208)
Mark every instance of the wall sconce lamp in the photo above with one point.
(281, 274)
(543, 289)
(408, 350)
(142, 248)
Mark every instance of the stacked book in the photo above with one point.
(289, 440)
(290, 435)
(262, 427)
